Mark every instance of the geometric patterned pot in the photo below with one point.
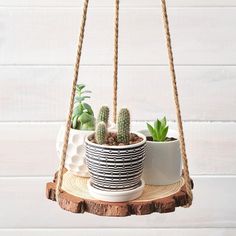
(115, 168)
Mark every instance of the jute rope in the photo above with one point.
(174, 84)
(177, 105)
(72, 96)
(115, 76)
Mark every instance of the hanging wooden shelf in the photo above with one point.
(72, 193)
(75, 198)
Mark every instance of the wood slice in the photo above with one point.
(76, 198)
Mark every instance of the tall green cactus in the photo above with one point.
(101, 133)
(103, 115)
(123, 134)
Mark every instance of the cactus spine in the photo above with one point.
(103, 115)
(101, 133)
(123, 134)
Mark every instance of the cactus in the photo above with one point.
(101, 133)
(103, 115)
(123, 134)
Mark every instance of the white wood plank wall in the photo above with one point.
(37, 50)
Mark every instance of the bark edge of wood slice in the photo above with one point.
(76, 204)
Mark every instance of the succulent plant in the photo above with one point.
(83, 116)
(159, 130)
(103, 115)
(123, 134)
(101, 133)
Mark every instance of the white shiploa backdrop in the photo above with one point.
(37, 52)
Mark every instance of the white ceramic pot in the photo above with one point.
(75, 157)
(163, 163)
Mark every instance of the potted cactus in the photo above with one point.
(82, 124)
(115, 161)
(163, 164)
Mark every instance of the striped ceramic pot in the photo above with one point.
(115, 168)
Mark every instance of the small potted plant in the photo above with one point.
(163, 164)
(82, 124)
(115, 161)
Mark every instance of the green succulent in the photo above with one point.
(83, 115)
(159, 130)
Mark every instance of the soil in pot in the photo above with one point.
(111, 139)
(149, 138)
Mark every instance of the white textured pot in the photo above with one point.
(163, 163)
(75, 157)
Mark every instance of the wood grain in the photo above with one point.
(119, 231)
(144, 205)
(53, 38)
(29, 193)
(45, 94)
(203, 34)
(108, 3)
(28, 149)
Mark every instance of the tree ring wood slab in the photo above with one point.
(76, 198)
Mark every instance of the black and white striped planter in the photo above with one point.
(116, 170)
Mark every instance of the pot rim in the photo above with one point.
(162, 142)
(80, 131)
(118, 147)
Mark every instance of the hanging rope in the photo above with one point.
(68, 122)
(177, 105)
(115, 76)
